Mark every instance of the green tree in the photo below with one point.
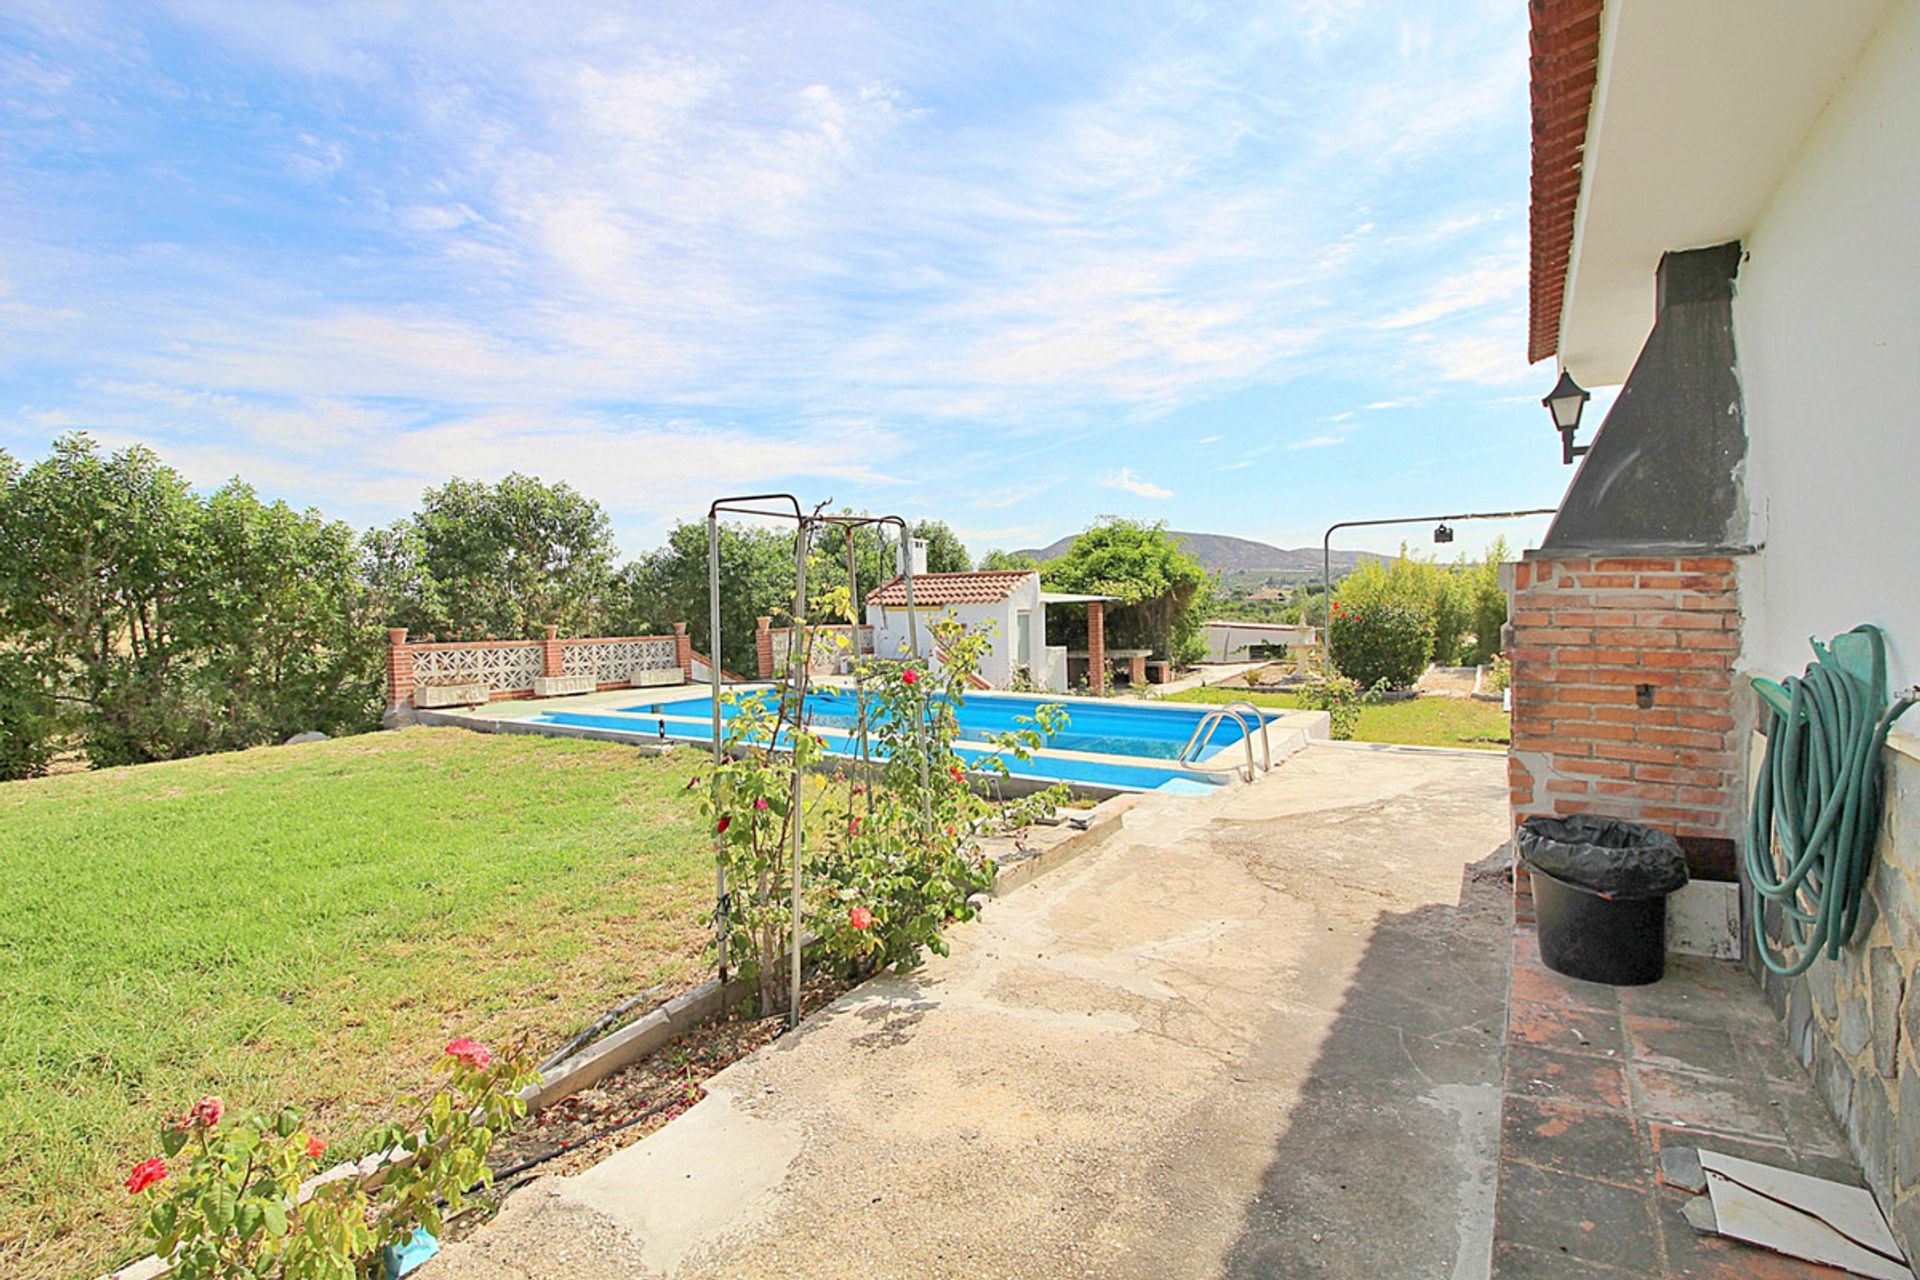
(400, 591)
(280, 624)
(1162, 590)
(945, 552)
(99, 551)
(1486, 604)
(756, 580)
(510, 558)
(1008, 560)
(160, 624)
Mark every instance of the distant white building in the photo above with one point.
(1233, 641)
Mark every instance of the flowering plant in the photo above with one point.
(894, 852)
(909, 859)
(240, 1201)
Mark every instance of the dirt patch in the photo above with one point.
(584, 1129)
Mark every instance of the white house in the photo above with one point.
(1006, 602)
(1723, 222)
(1233, 640)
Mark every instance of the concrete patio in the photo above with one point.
(1267, 1033)
(1256, 1034)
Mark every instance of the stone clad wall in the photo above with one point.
(1854, 1022)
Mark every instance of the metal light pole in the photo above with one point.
(1326, 561)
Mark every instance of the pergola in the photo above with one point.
(1096, 651)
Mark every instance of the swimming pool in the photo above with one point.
(1123, 746)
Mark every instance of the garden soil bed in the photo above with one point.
(572, 1134)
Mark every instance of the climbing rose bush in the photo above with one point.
(226, 1201)
(892, 847)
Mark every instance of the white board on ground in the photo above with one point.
(1703, 919)
(1803, 1217)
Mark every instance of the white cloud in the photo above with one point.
(666, 251)
(1124, 479)
(1501, 283)
(1318, 442)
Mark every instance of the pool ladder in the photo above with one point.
(1231, 710)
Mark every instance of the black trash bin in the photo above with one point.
(1600, 889)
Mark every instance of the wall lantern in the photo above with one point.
(1566, 402)
(1443, 533)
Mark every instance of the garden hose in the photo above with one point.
(1816, 810)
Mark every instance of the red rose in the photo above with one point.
(692, 782)
(470, 1052)
(146, 1174)
(860, 918)
(956, 773)
(909, 676)
(760, 803)
(720, 827)
(206, 1112)
(314, 1147)
(853, 826)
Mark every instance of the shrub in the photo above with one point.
(1499, 673)
(1341, 698)
(224, 1202)
(893, 856)
(26, 720)
(1379, 641)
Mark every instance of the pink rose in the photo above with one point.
(470, 1052)
(760, 803)
(860, 918)
(206, 1113)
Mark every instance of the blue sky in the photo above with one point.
(1245, 268)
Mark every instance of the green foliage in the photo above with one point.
(1499, 673)
(892, 855)
(503, 559)
(1462, 600)
(1162, 591)
(1381, 641)
(164, 624)
(756, 580)
(945, 552)
(26, 718)
(1486, 605)
(1340, 697)
(224, 1200)
(1007, 560)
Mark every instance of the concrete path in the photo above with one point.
(1257, 1034)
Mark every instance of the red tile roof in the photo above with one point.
(988, 586)
(1565, 40)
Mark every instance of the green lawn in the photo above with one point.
(308, 924)
(1425, 722)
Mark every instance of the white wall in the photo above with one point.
(1827, 325)
(890, 629)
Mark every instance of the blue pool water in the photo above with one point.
(1140, 742)
(1115, 729)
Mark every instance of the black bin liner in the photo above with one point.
(1608, 856)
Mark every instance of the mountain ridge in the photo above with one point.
(1224, 553)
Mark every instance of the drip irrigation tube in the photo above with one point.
(1816, 809)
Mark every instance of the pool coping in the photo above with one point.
(1286, 733)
